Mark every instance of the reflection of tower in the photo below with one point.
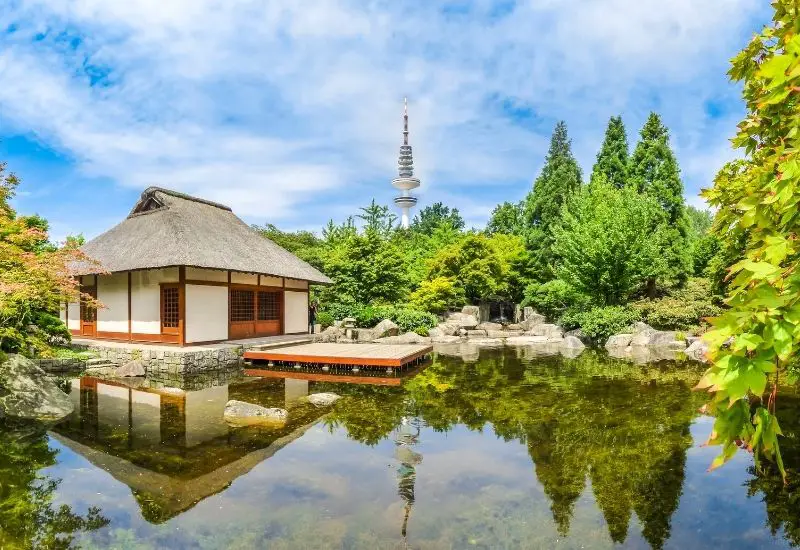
(407, 436)
(406, 180)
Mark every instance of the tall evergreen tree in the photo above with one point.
(560, 178)
(612, 160)
(654, 170)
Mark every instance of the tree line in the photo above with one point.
(600, 253)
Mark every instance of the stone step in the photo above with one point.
(96, 361)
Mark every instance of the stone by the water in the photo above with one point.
(324, 399)
(132, 368)
(387, 327)
(240, 413)
(27, 392)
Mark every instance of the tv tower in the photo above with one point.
(405, 181)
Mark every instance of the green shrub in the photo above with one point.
(437, 295)
(552, 298)
(367, 316)
(684, 309)
(600, 322)
(325, 319)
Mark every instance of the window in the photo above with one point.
(170, 313)
(269, 306)
(242, 305)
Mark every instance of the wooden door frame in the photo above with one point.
(91, 290)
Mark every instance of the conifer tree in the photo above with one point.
(654, 170)
(560, 178)
(612, 160)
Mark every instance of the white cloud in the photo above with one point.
(278, 107)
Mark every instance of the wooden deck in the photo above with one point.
(362, 355)
(336, 378)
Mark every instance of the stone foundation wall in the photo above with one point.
(61, 365)
(173, 362)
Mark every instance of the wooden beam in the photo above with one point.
(130, 310)
(182, 305)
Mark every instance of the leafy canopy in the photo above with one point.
(605, 245)
(757, 339)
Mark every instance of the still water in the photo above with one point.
(497, 449)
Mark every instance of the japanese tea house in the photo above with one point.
(184, 270)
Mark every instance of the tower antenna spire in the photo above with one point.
(405, 121)
(405, 181)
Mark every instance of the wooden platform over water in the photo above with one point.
(362, 355)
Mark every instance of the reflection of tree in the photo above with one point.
(625, 427)
(27, 516)
(783, 501)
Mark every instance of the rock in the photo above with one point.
(240, 413)
(365, 335)
(132, 368)
(697, 351)
(487, 326)
(463, 320)
(448, 329)
(571, 342)
(462, 332)
(527, 311)
(526, 340)
(434, 333)
(486, 342)
(503, 333)
(27, 392)
(578, 333)
(514, 326)
(445, 339)
(330, 334)
(639, 327)
(385, 328)
(641, 335)
(663, 338)
(477, 333)
(549, 330)
(473, 311)
(323, 399)
(617, 341)
(407, 338)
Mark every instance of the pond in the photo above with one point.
(496, 449)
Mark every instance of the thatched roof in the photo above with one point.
(167, 228)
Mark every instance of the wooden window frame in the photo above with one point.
(177, 328)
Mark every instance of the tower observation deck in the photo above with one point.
(405, 181)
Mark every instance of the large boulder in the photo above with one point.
(463, 320)
(477, 333)
(486, 342)
(572, 342)
(330, 334)
(387, 327)
(131, 368)
(407, 338)
(503, 333)
(697, 350)
(324, 399)
(545, 329)
(473, 311)
(448, 329)
(240, 413)
(526, 340)
(487, 326)
(642, 332)
(27, 392)
(445, 339)
(618, 341)
(365, 335)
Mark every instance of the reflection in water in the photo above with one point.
(520, 452)
(406, 437)
(28, 516)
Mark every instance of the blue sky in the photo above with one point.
(291, 112)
